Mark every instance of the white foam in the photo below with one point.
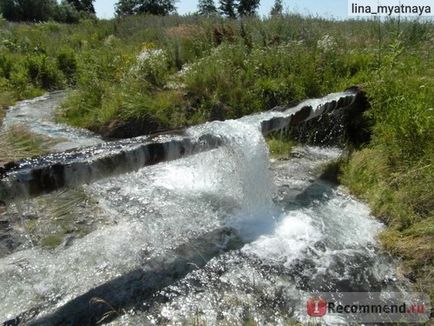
(292, 236)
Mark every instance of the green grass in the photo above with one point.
(279, 147)
(403, 198)
(193, 69)
(17, 143)
(395, 172)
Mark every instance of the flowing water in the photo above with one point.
(297, 233)
(37, 115)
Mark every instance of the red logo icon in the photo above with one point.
(316, 307)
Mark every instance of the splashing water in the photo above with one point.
(299, 234)
(247, 166)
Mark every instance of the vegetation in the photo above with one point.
(206, 8)
(196, 69)
(227, 8)
(277, 8)
(152, 7)
(68, 11)
(279, 148)
(17, 143)
(169, 72)
(83, 5)
(230, 8)
(247, 7)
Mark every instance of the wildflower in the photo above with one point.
(326, 43)
(110, 40)
(150, 55)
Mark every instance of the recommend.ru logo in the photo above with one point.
(369, 307)
(316, 306)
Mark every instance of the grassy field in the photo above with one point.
(158, 73)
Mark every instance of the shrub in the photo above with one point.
(152, 66)
(19, 80)
(67, 63)
(66, 13)
(6, 66)
(43, 72)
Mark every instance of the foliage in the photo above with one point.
(277, 8)
(43, 10)
(66, 13)
(227, 8)
(247, 7)
(67, 63)
(395, 172)
(152, 7)
(27, 10)
(83, 5)
(125, 7)
(279, 147)
(206, 8)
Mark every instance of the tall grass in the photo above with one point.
(395, 173)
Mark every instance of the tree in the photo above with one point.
(207, 8)
(227, 8)
(83, 5)
(28, 10)
(156, 7)
(9, 10)
(153, 7)
(125, 7)
(247, 7)
(66, 13)
(277, 9)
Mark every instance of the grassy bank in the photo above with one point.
(395, 172)
(145, 74)
(169, 72)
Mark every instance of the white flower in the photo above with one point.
(149, 54)
(110, 40)
(326, 43)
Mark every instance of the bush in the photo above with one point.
(66, 13)
(19, 80)
(67, 63)
(152, 67)
(6, 66)
(43, 72)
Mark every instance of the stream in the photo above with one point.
(295, 232)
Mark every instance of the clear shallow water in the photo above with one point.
(37, 115)
(299, 235)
